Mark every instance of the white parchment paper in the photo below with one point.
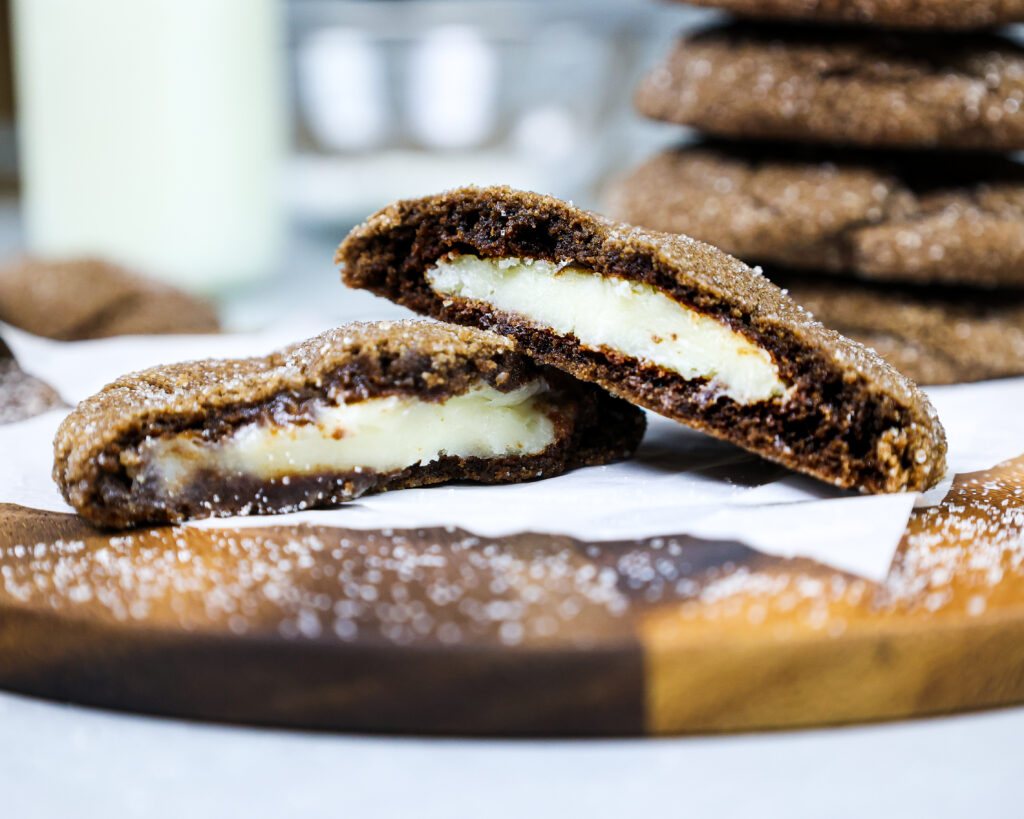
(681, 482)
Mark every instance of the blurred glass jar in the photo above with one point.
(152, 132)
(407, 98)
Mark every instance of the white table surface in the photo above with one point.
(66, 761)
(59, 760)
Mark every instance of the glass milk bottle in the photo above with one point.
(151, 132)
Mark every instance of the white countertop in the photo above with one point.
(63, 761)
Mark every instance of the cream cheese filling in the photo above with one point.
(379, 434)
(634, 319)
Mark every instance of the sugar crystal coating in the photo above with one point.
(445, 586)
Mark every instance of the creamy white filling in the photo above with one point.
(634, 319)
(379, 434)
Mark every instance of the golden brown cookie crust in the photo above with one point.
(916, 217)
(351, 363)
(844, 87)
(77, 299)
(851, 419)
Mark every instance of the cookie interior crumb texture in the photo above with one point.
(666, 322)
(817, 84)
(956, 218)
(77, 299)
(366, 407)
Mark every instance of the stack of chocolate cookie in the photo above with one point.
(860, 151)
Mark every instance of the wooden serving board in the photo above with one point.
(436, 630)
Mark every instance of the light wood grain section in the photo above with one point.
(798, 645)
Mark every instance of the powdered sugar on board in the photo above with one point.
(681, 482)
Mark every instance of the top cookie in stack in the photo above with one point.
(857, 152)
(950, 15)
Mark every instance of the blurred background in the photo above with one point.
(226, 146)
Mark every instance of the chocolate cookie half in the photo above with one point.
(364, 408)
(75, 299)
(843, 86)
(956, 218)
(664, 321)
(941, 14)
(934, 335)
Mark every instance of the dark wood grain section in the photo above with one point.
(431, 630)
